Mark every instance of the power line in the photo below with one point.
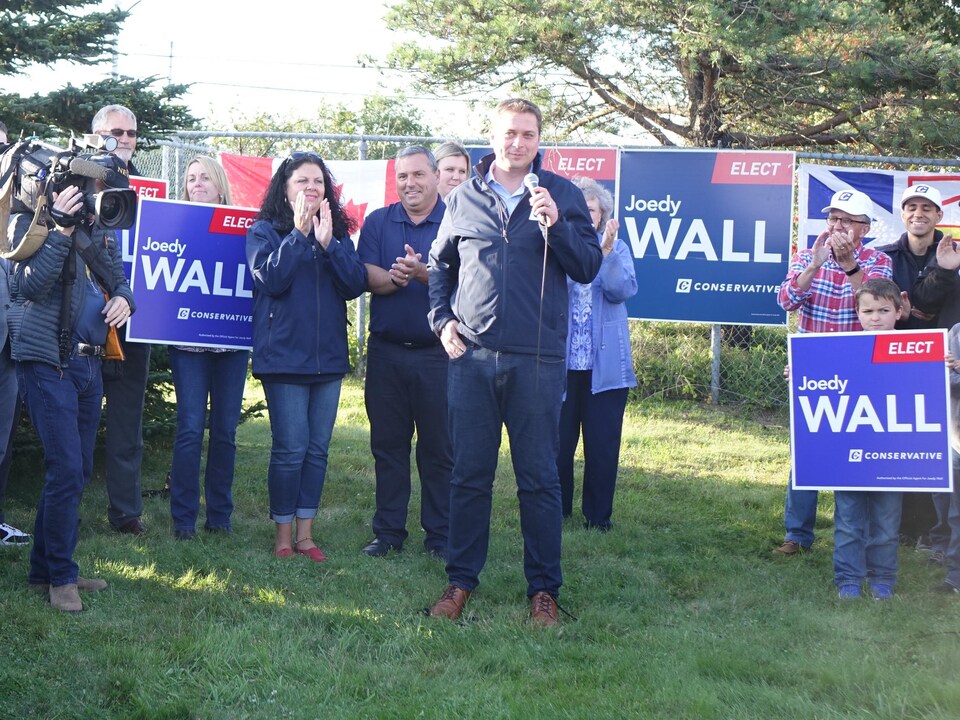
(422, 98)
(259, 62)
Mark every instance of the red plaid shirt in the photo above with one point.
(828, 306)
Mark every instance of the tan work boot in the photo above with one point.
(65, 598)
(83, 585)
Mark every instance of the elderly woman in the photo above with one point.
(453, 166)
(67, 298)
(304, 269)
(199, 374)
(599, 367)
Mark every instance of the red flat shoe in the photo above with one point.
(283, 552)
(314, 553)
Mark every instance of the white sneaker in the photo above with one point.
(9, 535)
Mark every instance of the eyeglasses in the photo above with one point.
(119, 132)
(845, 222)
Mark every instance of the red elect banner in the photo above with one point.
(149, 188)
(231, 221)
(736, 167)
(909, 347)
(596, 163)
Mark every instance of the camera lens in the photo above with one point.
(110, 210)
(116, 209)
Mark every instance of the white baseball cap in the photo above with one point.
(922, 190)
(850, 201)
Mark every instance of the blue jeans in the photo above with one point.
(487, 390)
(301, 421)
(406, 388)
(866, 537)
(197, 376)
(800, 515)
(65, 410)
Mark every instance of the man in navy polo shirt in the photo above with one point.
(406, 385)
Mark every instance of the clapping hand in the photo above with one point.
(609, 236)
(407, 268)
(948, 257)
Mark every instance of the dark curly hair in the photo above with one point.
(277, 210)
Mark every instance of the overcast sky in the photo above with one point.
(244, 63)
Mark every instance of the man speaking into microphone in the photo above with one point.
(498, 301)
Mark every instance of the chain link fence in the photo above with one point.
(725, 364)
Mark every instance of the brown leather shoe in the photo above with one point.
(451, 603)
(543, 609)
(790, 547)
(65, 598)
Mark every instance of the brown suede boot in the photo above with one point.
(65, 598)
(83, 585)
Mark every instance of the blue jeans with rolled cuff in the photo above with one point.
(301, 422)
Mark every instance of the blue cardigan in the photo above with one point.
(616, 281)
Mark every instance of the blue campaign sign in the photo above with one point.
(190, 277)
(710, 233)
(145, 188)
(870, 411)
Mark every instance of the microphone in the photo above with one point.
(532, 182)
(86, 168)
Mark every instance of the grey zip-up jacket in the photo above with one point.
(486, 267)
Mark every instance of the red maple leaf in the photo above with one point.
(356, 212)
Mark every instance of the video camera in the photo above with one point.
(42, 170)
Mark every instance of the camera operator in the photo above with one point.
(65, 298)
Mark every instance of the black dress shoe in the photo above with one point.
(437, 553)
(132, 527)
(378, 547)
(184, 534)
(599, 527)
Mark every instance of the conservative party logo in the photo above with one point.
(684, 285)
(183, 314)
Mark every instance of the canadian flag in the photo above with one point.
(362, 185)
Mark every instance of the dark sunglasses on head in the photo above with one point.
(118, 132)
(298, 156)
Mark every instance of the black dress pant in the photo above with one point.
(406, 390)
(599, 418)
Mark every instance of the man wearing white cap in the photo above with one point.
(914, 256)
(820, 285)
(937, 293)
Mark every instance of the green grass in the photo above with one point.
(681, 612)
